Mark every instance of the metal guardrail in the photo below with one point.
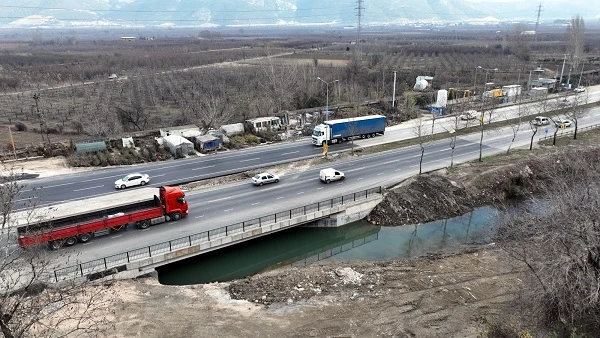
(120, 259)
(568, 133)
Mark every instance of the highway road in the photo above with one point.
(240, 201)
(57, 189)
(236, 202)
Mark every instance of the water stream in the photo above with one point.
(356, 241)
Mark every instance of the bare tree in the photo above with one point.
(516, 124)
(42, 120)
(30, 304)
(214, 110)
(488, 116)
(423, 135)
(280, 82)
(577, 109)
(557, 237)
(576, 43)
(541, 107)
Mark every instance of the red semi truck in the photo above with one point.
(79, 221)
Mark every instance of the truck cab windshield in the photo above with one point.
(317, 133)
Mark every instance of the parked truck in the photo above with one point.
(79, 221)
(338, 131)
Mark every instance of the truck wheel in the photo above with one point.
(143, 224)
(368, 135)
(176, 216)
(55, 245)
(83, 238)
(71, 241)
(373, 135)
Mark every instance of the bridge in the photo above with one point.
(332, 212)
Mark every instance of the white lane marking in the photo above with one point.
(291, 152)
(227, 210)
(279, 198)
(360, 178)
(210, 166)
(380, 174)
(219, 199)
(27, 199)
(160, 175)
(199, 216)
(254, 203)
(302, 192)
(98, 186)
(250, 159)
(388, 162)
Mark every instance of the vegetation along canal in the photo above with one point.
(356, 241)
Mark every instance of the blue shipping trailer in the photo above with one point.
(337, 131)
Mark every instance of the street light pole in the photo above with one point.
(327, 95)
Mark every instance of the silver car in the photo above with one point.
(132, 180)
(264, 178)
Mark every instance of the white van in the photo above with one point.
(330, 174)
(541, 120)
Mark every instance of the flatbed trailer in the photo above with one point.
(79, 221)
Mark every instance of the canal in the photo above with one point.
(356, 241)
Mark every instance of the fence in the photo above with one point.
(568, 133)
(114, 261)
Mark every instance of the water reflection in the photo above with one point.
(356, 241)
(417, 240)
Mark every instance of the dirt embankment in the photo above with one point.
(452, 192)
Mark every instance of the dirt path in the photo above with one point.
(434, 297)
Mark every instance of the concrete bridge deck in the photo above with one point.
(329, 213)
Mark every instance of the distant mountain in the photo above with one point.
(207, 13)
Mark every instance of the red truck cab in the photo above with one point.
(173, 202)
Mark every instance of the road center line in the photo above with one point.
(292, 152)
(227, 210)
(210, 166)
(250, 159)
(98, 186)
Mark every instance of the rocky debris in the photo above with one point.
(293, 285)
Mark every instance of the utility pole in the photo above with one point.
(12, 142)
(358, 29)
(562, 71)
(394, 91)
(537, 22)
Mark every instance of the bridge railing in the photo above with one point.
(569, 133)
(120, 259)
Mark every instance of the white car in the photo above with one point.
(468, 116)
(330, 174)
(579, 89)
(132, 180)
(264, 178)
(560, 123)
